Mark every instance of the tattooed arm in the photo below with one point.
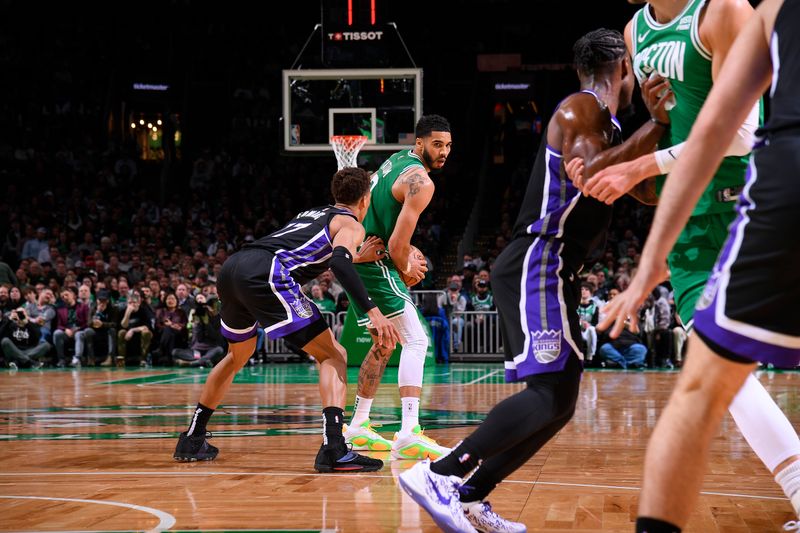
(414, 189)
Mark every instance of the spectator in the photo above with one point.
(588, 313)
(20, 341)
(454, 305)
(124, 292)
(170, 330)
(208, 346)
(324, 304)
(626, 351)
(185, 299)
(5, 301)
(481, 328)
(662, 331)
(15, 298)
(72, 320)
(334, 287)
(86, 298)
(33, 247)
(7, 276)
(156, 294)
(41, 311)
(105, 321)
(135, 332)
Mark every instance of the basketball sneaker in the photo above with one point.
(438, 495)
(365, 438)
(194, 448)
(340, 458)
(482, 518)
(416, 445)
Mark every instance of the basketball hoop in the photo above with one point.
(346, 148)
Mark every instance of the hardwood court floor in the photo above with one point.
(91, 450)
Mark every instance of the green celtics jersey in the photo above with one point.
(674, 51)
(384, 208)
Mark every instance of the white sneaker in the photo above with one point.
(364, 438)
(481, 516)
(438, 495)
(417, 445)
(76, 361)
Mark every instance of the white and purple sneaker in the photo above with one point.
(482, 518)
(438, 495)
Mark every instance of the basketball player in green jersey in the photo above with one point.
(401, 190)
(686, 42)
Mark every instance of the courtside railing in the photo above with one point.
(473, 335)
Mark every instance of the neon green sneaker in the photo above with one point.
(417, 445)
(364, 438)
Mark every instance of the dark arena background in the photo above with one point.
(142, 144)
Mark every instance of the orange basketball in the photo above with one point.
(409, 281)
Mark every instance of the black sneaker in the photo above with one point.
(194, 448)
(338, 458)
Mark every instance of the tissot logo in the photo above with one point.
(356, 36)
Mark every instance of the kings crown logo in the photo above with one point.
(546, 345)
(302, 307)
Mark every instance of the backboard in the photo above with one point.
(383, 104)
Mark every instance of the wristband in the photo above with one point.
(662, 124)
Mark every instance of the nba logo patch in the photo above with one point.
(302, 307)
(546, 345)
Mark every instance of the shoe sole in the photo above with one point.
(420, 457)
(355, 469)
(443, 521)
(192, 459)
(365, 446)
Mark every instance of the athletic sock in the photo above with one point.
(459, 462)
(333, 418)
(360, 411)
(653, 525)
(789, 480)
(199, 420)
(410, 414)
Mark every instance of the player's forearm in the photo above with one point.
(641, 143)
(740, 145)
(399, 250)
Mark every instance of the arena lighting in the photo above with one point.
(149, 125)
(141, 122)
(155, 129)
(158, 122)
(133, 125)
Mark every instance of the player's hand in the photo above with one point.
(416, 267)
(656, 93)
(623, 310)
(373, 249)
(576, 172)
(613, 182)
(383, 330)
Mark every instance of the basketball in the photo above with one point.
(409, 281)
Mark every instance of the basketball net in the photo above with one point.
(346, 148)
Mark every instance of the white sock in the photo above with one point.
(360, 411)
(410, 414)
(789, 480)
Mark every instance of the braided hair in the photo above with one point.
(597, 49)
